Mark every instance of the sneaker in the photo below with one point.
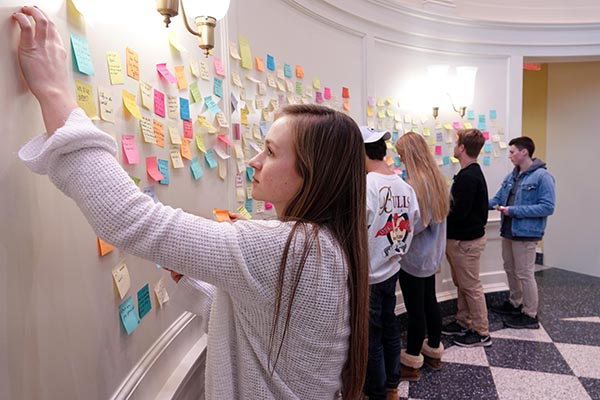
(454, 329)
(507, 308)
(473, 339)
(522, 321)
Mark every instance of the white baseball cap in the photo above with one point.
(371, 135)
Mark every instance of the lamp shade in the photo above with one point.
(206, 8)
(465, 86)
(437, 83)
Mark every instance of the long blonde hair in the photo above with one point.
(425, 177)
(330, 158)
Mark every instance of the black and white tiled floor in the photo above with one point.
(561, 360)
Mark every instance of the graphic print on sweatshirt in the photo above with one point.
(397, 226)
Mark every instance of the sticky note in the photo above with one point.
(105, 99)
(438, 150)
(319, 97)
(270, 62)
(146, 94)
(130, 104)
(164, 72)
(316, 82)
(245, 53)
(327, 93)
(130, 152)
(209, 158)
(175, 156)
(204, 74)
(161, 292)
(218, 66)
(175, 43)
(346, 105)
(144, 303)
(218, 87)
(184, 109)
(456, 125)
(115, 70)
(211, 105)
(486, 135)
(150, 192)
(486, 160)
(185, 148)
(259, 64)
(121, 278)
(172, 106)
(250, 173)
(81, 55)
(233, 51)
(200, 143)
(446, 160)
(196, 168)
(85, 99)
(492, 114)
(299, 71)
(163, 167)
(467, 125)
(248, 205)
(182, 82)
(132, 63)
(159, 103)
(194, 66)
(147, 128)
(345, 93)
(471, 114)
(221, 215)
(129, 317)
(104, 247)
(152, 168)
(287, 70)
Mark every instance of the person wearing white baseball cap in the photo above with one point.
(392, 209)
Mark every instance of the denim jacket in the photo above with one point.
(534, 199)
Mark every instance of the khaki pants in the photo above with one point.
(463, 257)
(519, 264)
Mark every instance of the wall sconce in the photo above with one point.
(206, 12)
(460, 93)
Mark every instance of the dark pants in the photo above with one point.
(423, 311)
(383, 367)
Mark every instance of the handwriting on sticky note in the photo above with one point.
(132, 63)
(121, 278)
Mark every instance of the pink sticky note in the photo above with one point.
(456, 125)
(486, 135)
(327, 93)
(225, 140)
(219, 70)
(188, 131)
(152, 169)
(159, 103)
(165, 73)
(318, 97)
(236, 131)
(371, 100)
(130, 152)
(268, 205)
(438, 150)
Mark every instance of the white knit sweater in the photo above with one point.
(241, 260)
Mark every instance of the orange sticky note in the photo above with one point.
(346, 105)
(104, 248)
(152, 169)
(221, 215)
(182, 82)
(299, 71)
(260, 65)
(186, 152)
(133, 64)
(159, 132)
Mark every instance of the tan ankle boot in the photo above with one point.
(410, 366)
(432, 357)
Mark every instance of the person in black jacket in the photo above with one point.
(466, 241)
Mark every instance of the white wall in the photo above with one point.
(573, 140)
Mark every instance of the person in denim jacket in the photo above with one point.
(525, 200)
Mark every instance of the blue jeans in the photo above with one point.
(383, 367)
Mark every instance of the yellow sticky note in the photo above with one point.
(370, 111)
(104, 248)
(245, 53)
(85, 99)
(448, 126)
(176, 157)
(244, 116)
(130, 104)
(200, 142)
(389, 112)
(381, 113)
(106, 104)
(242, 210)
(426, 132)
(133, 64)
(222, 169)
(380, 102)
(316, 82)
(161, 292)
(174, 134)
(173, 41)
(389, 101)
(454, 160)
(121, 278)
(147, 95)
(147, 129)
(182, 82)
(468, 125)
(115, 70)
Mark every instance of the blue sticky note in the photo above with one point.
(263, 128)
(492, 114)
(486, 160)
(209, 157)
(81, 55)
(471, 114)
(270, 62)
(249, 205)
(481, 118)
(446, 160)
(184, 108)
(218, 87)
(163, 167)
(487, 148)
(287, 70)
(144, 302)
(397, 161)
(395, 136)
(129, 317)
(149, 190)
(481, 126)
(211, 105)
(404, 174)
(196, 168)
(250, 173)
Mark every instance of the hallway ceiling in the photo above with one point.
(518, 11)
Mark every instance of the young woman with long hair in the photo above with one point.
(418, 267)
(289, 319)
